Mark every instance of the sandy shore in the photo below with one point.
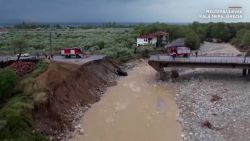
(214, 103)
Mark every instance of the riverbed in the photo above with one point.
(138, 108)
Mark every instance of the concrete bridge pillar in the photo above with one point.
(248, 71)
(244, 72)
(174, 73)
(163, 75)
(248, 75)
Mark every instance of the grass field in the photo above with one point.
(115, 42)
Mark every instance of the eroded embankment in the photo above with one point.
(63, 89)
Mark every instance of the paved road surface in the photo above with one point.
(79, 61)
(58, 58)
(8, 58)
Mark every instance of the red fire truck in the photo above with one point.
(69, 52)
(179, 51)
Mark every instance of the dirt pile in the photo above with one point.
(22, 68)
(63, 88)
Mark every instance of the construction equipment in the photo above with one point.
(69, 52)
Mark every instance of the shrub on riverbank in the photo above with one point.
(16, 120)
(8, 80)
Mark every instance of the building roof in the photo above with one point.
(163, 33)
(3, 30)
(147, 36)
(180, 42)
(154, 35)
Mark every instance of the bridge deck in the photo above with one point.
(159, 62)
(201, 59)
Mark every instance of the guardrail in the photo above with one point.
(206, 59)
(216, 54)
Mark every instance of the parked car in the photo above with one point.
(23, 55)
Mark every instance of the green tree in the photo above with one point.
(192, 40)
(240, 35)
(200, 29)
(19, 44)
(246, 39)
(220, 31)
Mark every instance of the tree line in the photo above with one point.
(25, 25)
(196, 33)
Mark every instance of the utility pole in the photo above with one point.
(50, 43)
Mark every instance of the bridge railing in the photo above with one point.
(205, 59)
(216, 54)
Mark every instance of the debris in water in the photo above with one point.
(120, 72)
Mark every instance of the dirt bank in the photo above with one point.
(66, 89)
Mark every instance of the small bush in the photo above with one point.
(124, 54)
(145, 51)
(100, 44)
(16, 121)
(41, 66)
(120, 54)
(8, 80)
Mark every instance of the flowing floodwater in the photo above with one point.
(138, 109)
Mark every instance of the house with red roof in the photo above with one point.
(3, 30)
(152, 38)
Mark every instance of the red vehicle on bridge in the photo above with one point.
(177, 48)
(179, 51)
(69, 52)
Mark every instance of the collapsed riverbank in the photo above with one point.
(65, 91)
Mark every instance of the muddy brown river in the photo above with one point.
(138, 109)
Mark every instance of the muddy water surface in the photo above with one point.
(138, 109)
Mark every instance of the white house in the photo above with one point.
(3, 31)
(152, 38)
(146, 39)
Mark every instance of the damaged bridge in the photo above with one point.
(159, 62)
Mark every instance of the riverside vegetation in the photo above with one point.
(16, 121)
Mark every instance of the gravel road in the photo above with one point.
(214, 103)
